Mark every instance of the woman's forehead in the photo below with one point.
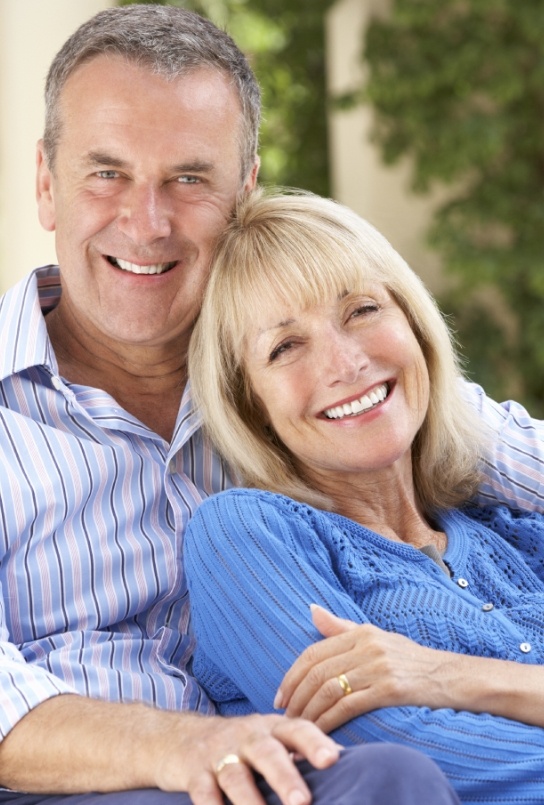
(282, 310)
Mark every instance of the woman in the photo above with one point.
(326, 375)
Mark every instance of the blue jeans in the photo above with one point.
(373, 774)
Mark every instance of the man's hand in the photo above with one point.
(71, 744)
(263, 743)
(383, 670)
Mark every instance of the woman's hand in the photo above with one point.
(383, 670)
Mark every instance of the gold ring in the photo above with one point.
(344, 684)
(228, 760)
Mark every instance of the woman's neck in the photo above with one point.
(385, 502)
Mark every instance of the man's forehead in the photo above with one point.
(110, 72)
(107, 99)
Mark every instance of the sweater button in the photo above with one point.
(488, 607)
(462, 583)
(525, 647)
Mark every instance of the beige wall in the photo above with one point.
(31, 32)
(359, 179)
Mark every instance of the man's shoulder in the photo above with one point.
(22, 323)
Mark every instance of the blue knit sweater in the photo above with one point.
(256, 561)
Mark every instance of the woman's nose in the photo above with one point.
(344, 358)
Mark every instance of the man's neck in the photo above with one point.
(147, 382)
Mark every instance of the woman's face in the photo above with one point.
(344, 384)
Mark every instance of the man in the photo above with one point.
(151, 133)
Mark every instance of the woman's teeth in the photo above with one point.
(365, 403)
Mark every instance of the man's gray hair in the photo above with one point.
(171, 42)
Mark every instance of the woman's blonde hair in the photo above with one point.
(302, 250)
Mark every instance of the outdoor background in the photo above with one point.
(426, 116)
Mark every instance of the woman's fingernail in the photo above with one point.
(278, 700)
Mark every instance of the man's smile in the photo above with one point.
(135, 268)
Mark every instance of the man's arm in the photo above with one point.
(514, 467)
(73, 744)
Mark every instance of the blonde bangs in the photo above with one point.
(289, 260)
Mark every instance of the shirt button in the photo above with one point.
(172, 466)
(488, 607)
(525, 647)
(56, 382)
(462, 583)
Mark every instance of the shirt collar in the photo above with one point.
(25, 341)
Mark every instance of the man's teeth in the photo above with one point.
(156, 268)
(365, 403)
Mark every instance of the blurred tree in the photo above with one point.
(459, 86)
(285, 43)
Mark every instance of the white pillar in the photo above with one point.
(31, 32)
(379, 193)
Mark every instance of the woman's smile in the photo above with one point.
(360, 405)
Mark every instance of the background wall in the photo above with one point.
(359, 178)
(31, 32)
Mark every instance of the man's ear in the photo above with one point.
(44, 190)
(251, 180)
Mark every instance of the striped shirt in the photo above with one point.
(93, 508)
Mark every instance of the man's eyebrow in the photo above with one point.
(97, 158)
(103, 159)
(196, 166)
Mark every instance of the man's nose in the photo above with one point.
(144, 215)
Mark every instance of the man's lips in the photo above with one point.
(135, 268)
(360, 405)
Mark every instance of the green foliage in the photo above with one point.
(285, 43)
(459, 86)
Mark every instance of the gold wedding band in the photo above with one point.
(228, 760)
(344, 684)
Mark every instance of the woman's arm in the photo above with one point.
(253, 575)
(385, 669)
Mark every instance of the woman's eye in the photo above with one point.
(279, 350)
(364, 309)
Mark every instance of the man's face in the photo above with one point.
(146, 174)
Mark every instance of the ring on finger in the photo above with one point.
(227, 760)
(343, 681)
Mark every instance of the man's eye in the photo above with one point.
(107, 174)
(188, 179)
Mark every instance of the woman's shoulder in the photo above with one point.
(504, 518)
(240, 500)
(523, 530)
(245, 514)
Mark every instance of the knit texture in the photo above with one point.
(256, 561)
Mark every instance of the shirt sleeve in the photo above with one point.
(23, 685)
(514, 466)
(253, 574)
